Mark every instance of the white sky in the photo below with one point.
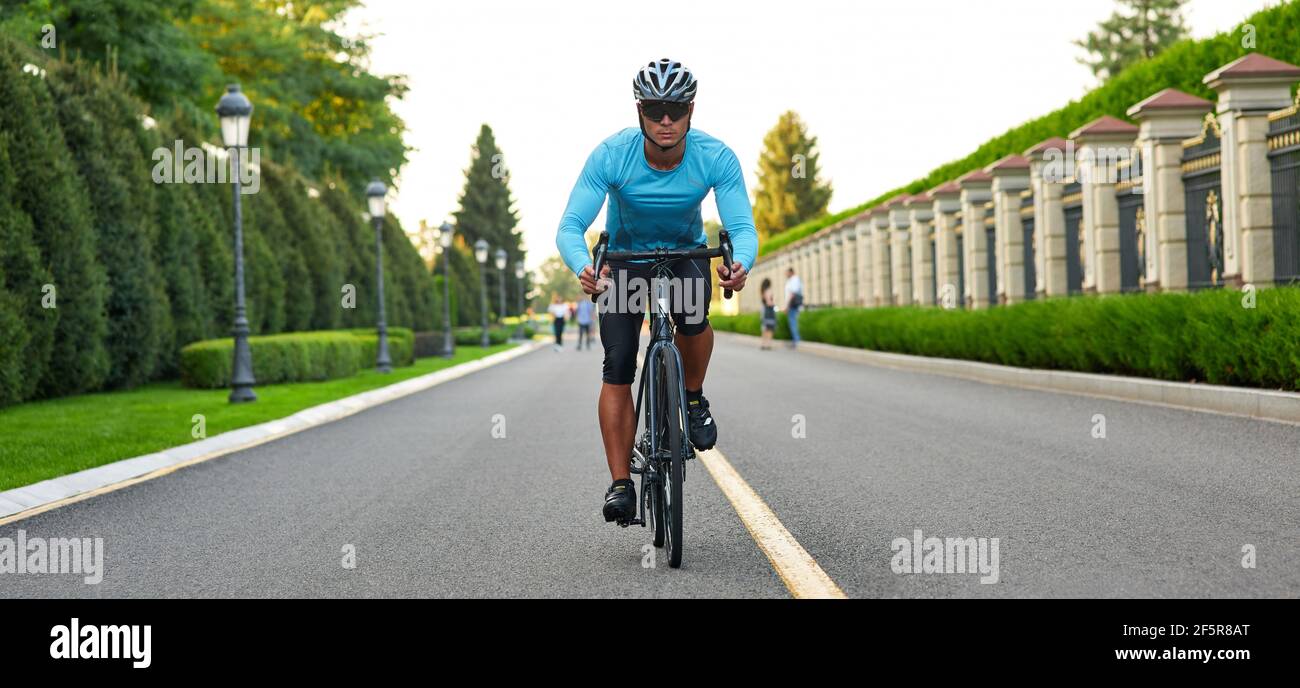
(891, 89)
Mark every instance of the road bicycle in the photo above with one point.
(662, 450)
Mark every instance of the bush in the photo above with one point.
(428, 344)
(473, 336)
(1206, 336)
(296, 357)
(401, 346)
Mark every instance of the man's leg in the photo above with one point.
(794, 326)
(694, 339)
(696, 352)
(617, 427)
(620, 335)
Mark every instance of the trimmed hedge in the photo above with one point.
(1207, 336)
(294, 357)
(401, 346)
(473, 336)
(428, 344)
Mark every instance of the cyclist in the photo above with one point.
(656, 177)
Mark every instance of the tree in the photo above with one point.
(98, 129)
(26, 329)
(1140, 29)
(556, 278)
(789, 191)
(318, 106)
(105, 274)
(49, 191)
(487, 210)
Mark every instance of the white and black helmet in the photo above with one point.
(665, 80)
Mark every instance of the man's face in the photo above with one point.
(664, 131)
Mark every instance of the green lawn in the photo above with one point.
(46, 439)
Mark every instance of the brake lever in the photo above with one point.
(602, 244)
(724, 244)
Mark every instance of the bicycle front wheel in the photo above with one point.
(673, 440)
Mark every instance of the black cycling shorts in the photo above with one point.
(621, 315)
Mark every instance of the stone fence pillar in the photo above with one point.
(976, 190)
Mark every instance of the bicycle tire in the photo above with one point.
(655, 488)
(674, 438)
(656, 512)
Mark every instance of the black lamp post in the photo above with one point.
(235, 112)
(375, 193)
(445, 238)
(519, 277)
(481, 255)
(501, 259)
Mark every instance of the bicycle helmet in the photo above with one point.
(667, 80)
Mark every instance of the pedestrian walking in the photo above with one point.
(793, 304)
(559, 310)
(769, 314)
(585, 310)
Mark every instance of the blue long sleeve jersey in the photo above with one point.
(651, 208)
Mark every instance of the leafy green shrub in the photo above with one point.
(473, 336)
(1206, 336)
(296, 357)
(745, 323)
(401, 346)
(428, 344)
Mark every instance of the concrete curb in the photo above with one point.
(29, 500)
(1263, 404)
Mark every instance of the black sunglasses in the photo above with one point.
(656, 109)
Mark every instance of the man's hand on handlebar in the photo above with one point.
(588, 279)
(735, 280)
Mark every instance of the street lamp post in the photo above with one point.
(448, 341)
(235, 112)
(481, 255)
(375, 193)
(501, 259)
(519, 277)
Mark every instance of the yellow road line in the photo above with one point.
(798, 570)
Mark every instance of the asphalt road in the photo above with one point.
(435, 504)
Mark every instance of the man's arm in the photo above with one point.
(585, 200)
(734, 209)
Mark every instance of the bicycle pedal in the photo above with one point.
(631, 522)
